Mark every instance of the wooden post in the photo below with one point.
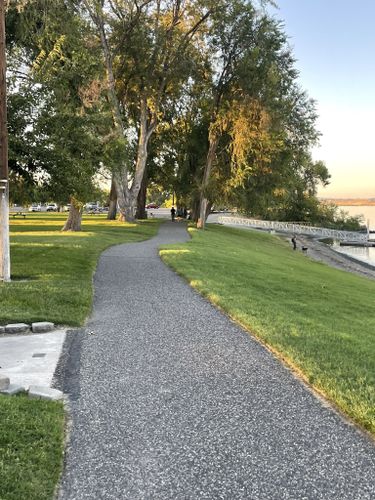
(4, 188)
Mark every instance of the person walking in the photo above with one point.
(173, 213)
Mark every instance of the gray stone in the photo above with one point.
(17, 328)
(13, 389)
(2, 329)
(42, 326)
(39, 392)
(4, 382)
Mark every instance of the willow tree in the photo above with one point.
(145, 47)
(285, 184)
(232, 34)
(249, 95)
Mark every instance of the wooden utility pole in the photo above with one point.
(4, 189)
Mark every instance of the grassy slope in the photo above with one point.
(52, 271)
(57, 269)
(320, 319)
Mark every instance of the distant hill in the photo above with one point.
(359, 202)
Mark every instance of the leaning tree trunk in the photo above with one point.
(73, 222)
(112, 209)
(204, 208)
(141, 200)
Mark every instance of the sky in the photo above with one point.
(334, 44)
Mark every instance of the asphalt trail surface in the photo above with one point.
(169, 399)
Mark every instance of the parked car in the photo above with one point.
(152, 205)
(66, 208)
(92, 206)
(35, 208)
(51, 207)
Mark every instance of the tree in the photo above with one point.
(260, 121)
(236, 35)
(196, 96)
(67, 116)
(150, 41)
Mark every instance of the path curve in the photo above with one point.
(171, 400)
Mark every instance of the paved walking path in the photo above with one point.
(172, 400)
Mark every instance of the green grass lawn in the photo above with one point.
(51, 280)
(52, 271)
(31, 447)
(319, 319)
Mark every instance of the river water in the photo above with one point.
(364, 254)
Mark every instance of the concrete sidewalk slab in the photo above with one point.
(37, 392)
(31, 359)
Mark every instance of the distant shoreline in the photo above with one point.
(353, 202)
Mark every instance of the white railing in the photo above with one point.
(293, 227)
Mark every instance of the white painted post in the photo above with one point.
(4, 232)
(4, 190)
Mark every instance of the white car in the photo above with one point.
(92, 208)
(35, 208)
(51, 207)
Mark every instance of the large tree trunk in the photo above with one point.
(127, 198)
(204, 208)
(194, 212)
(127, 202)
(112, 209)
(74, 219)
(141, 200)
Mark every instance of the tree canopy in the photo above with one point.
(200, 98)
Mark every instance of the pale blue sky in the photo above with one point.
(334, 44)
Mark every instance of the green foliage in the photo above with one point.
(56, 112)
(317, 317)
(28, 158)
(244, 93)
(156, 194)
(187, 75)
(330, 215)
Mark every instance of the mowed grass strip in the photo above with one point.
(52, 270)
(321, 320)
(31, 447)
